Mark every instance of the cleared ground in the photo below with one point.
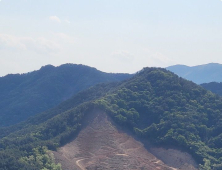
(102, 146)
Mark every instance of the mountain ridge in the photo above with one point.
(199, 74)
(45, 89)
(155, 104)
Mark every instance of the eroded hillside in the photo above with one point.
(101, 145)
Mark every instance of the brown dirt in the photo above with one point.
(102, 146)
(175, 158)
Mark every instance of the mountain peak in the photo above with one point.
(47, 67)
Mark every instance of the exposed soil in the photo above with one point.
(102, 146)
(175, 158)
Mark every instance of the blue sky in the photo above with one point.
(113, 36)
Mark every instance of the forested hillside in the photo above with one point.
(169, 110)
(28, 140)
(22, 96)
(84, 96)
(155, 104)
(214, 87)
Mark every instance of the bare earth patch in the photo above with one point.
(101, 146)
(175, 158)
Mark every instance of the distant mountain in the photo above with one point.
(199, 74)
(22, 96)
(115, 126)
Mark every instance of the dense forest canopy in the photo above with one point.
(155, 104)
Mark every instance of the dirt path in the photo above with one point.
(122, 154)
(157, 162)
(80, 166)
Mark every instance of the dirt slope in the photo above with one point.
(100, 146)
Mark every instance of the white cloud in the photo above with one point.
(123, 56)
(42, 45)
(39, 45)
(63, 38)
(55, 19)
(9, 41)
(160, 58)
(25, 53)
(67, 21)
(51, 43)
(58, 20)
